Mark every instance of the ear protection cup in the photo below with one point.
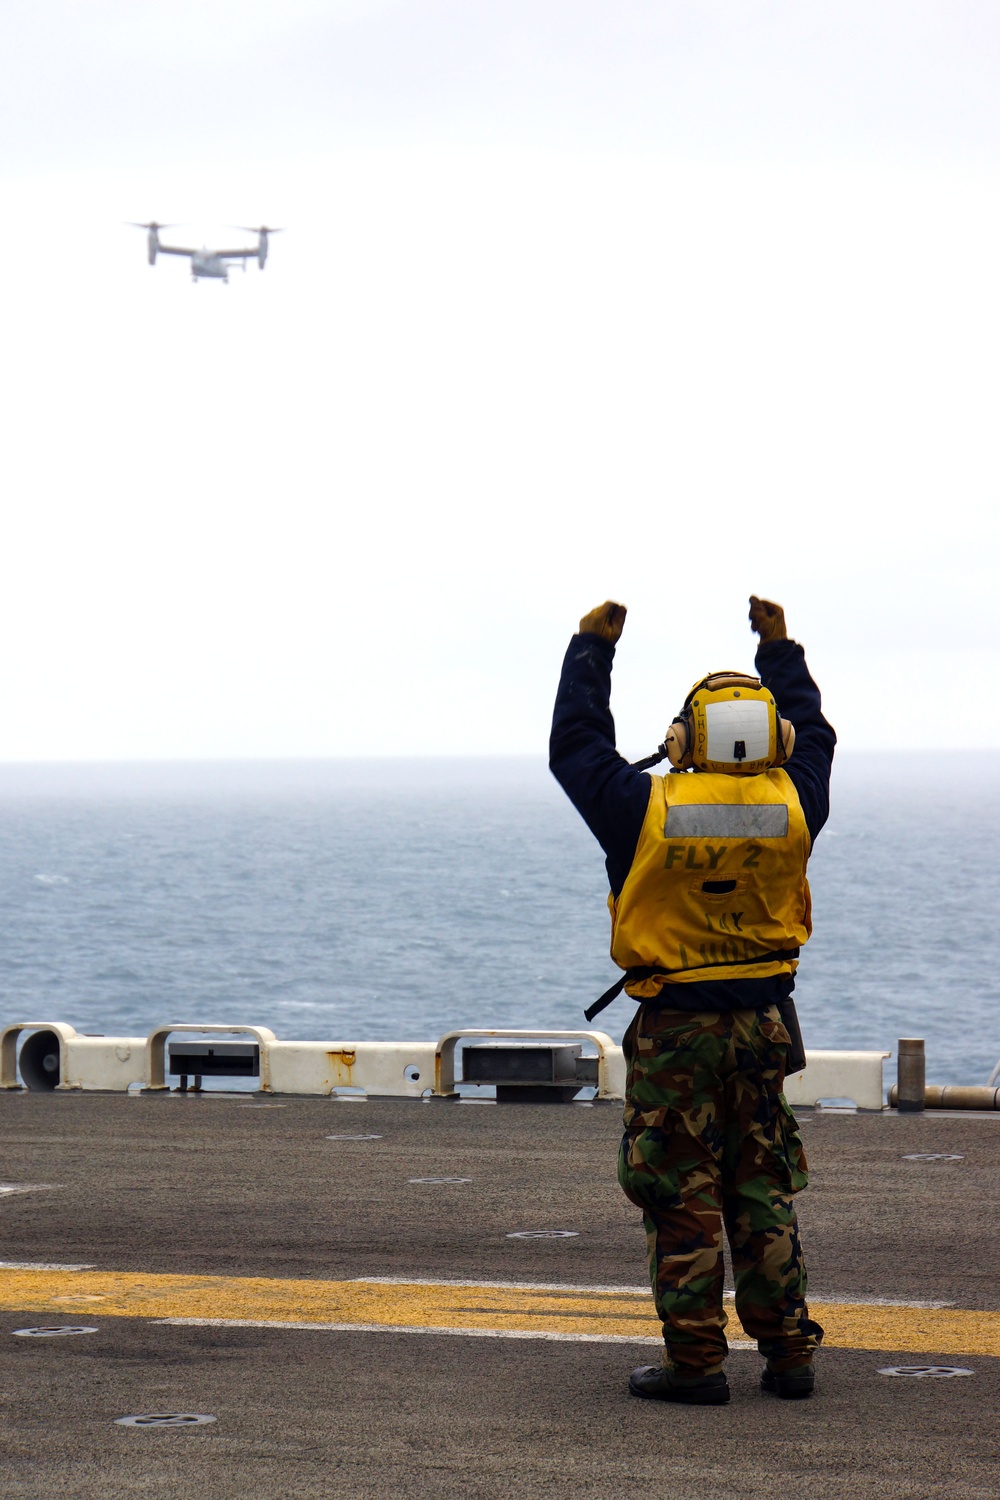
(787, 738)
(676, 745)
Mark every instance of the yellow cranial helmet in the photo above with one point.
(729, 723)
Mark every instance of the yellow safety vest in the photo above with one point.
(718, 882)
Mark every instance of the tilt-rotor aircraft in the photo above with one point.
(204, 262)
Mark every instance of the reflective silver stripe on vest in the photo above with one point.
(722, 820)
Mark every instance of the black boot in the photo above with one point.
(791, 1385)
(657, 1384)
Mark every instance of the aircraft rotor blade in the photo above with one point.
(256, 229)
(151, 225)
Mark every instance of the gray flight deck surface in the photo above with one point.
(232, 1186)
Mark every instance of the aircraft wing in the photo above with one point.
(174, 250)
(243, 254)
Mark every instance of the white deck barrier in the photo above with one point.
(839, 1075)
(405, 1070)
(610, 1059)
(111, 1063)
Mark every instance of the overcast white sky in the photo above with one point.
(657, 300)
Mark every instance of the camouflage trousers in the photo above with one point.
(710, 1142)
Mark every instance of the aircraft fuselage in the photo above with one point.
(206, 264)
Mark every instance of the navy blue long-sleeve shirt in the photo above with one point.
(612, 797)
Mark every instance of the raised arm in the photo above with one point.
(608, 794)
(781, 664)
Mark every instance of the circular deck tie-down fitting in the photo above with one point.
(926, 1372)
(48, 1333)
(165, 1419)
(354, 1137)
(933, 1156)
(439, 1179)
(543, 1234)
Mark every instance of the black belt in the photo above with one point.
(647, 971)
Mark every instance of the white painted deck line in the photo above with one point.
(41, 1265)
(471, 1333)
(841, 1298)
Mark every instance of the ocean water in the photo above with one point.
(345, 901)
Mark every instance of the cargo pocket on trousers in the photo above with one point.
(645, 1174)
(774, 1031)
(789, 1148)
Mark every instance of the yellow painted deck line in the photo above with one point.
(496, 1311)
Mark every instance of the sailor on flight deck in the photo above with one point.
(709, 908)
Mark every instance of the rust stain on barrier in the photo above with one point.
(342, 1063)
